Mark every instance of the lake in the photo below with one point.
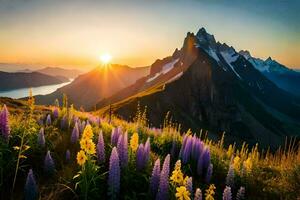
(23, 92)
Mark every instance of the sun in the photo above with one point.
(105, 58)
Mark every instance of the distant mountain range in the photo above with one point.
(17, 80)
(87, 89)
(56, 71)
(282, 76)
(208, 84)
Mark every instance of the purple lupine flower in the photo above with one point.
(200, 165)
(154, 180)
(100, 148)
(49, 166)
(163, 190)
(240, 194)
(147, 151)
(194, 145)
(55, 113)
(122, 147)
(115, 136)
(227, 193)
(48, 120)
(230, 177)
(187, 150)
(41, 138)
(75, 134)
(198, 194)
(68, 155)
(114, 175)
(189, 185)
(209, 173)
(183, 145)
(82, 126)
(64, 122)
(5, 128)
(140, 157)
(206, 158)
(30, 189)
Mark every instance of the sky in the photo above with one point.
(137, 32)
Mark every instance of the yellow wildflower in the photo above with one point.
(236, 163)
(210, 192)
(177, 177)
(248, 164)
(230, 151)
(185, 180)
(22, 156)
(26, 147)
(88, 132)
(182, 193)
(134, 142)
(88, 146)
(81, 157)
(16, 148)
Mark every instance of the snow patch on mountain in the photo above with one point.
(165, 69)
(230, 58)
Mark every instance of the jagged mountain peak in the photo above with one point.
(245, 53)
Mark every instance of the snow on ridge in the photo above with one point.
(177, 76)
(165, 69)
(230, 58)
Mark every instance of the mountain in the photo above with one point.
(88, 89)
(17, 80)
(282, 76)
(56, 71)
(207, 84)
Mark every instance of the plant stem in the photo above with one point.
(18, 162)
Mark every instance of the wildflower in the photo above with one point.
(116, 132)
(82, 126)
(41, 138)
(48, 120)
(227, 193)
(154, 180)
(182, 193)
(206, 158)
(240, 194)
(101, 148)
(248, 164)
(122, 148)
(49, 166)
(210, 192)
(88, 146)
(68, 155)
(230, 151)
(147, 151)
(81, 157)
(230, 177)
(64, 122)
(30, 189)
(177, 175)
(134, 142)
(209, 173)
(114, 174)
(140, 157)
(163, 190)
(4, 123)
(55, 113)
(75, 134)
(187, 150)
(236, 163)
(189, 185)
(198, 194)
(88, 132)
